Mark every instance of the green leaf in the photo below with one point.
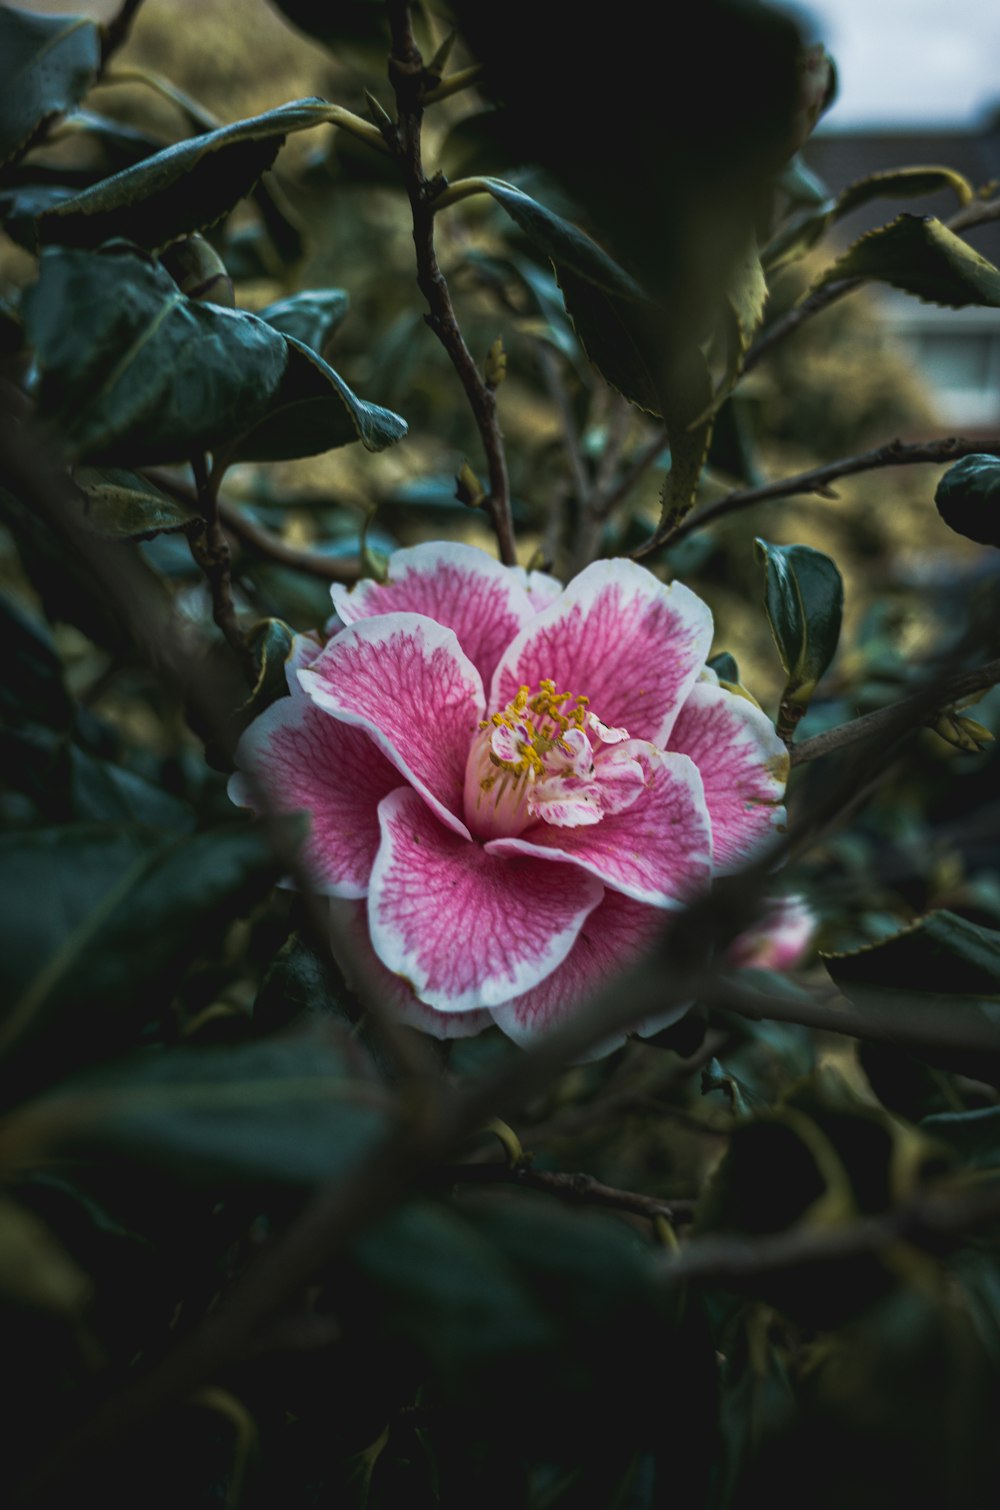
(975, 1135)
(798, 235)
(444, 1286)
(314, 410)
(35, 1270)
(288, 1111)
(48, 64)
(271, 641)
(31, 689)
(804, 602)
(935, 988)
(311, 317)
(564, 243)
(298, 983)
(139, 373)
(968, 498)
(801, 184)
(725, 667)
(902, 183)
(122, 505)
(182, 189)
(922, 257)
(134, 371)
(125, 911)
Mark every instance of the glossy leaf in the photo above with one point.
(902, 183)
(934, 987)
(804, 602)
(311, 316)
(47, 64)
(126, 909)
(182, 189)
(922, 257)
(123, 505)
(271, 643)
(288, 1111)
(314, 410)
(968, 498)
(562, 242)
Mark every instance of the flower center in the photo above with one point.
(536, 762)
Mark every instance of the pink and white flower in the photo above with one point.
(511, 785)
(780, 940)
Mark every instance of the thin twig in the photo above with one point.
(894, 453)
(409, 79)
(579, 1189)
(978, 213)
(210, 549)
(114, 34)
(908, 715)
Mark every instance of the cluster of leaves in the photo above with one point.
(192, 1100)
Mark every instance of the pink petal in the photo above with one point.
(374, 984)
(614, 936)
(455, 585)
(404, 680)
(780, 940)
(465, 928)
(743, 765)
(620, 637)
(540, 587)
(657, 851)
(296, 758)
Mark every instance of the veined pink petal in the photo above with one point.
(377, 988)
(619, 637)
(540, 587)
(614, 936)
(296, 758)
(744, 767)
(464, 927)
(780, 940)
(455, 585)
(658, 850)
(405, 681)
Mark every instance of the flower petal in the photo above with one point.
(455, 585)
(779, 940)
(368, 977)
(540, 587)
(618, 636)
(467, 929)
(405, 681)
(296, 758)
(743, 765)
(658, 850)
(614, 936)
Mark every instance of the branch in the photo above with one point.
(210, 549)
(116, 31)
(963, 220)
(900, 718)
(894, 453)
(579, 1189)
(409, 79)
(928, 1221)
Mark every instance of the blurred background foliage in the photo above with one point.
(181, 1066)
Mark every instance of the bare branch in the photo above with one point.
(894, 453)
(903, 717)
(579, 1189)
(210, 549)
(115, 33)
(410, 81)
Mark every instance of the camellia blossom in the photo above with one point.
(510, 785)
(780, 940)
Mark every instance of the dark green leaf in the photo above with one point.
(804, 602)
(935, 988)
(311, 317)
(801, 184)
(125, 910)
(921, 256)
(271, 642)
(348, 21)
(975, 1135)
(619, 337)
(902, 183)
(797, 236)
(279, 1110)
(968, 498)
(447, 1288)
(725, 667)
(182, 189)
(123, 505)
(314, 410)
(298, 983)
(48, 64)
(564, 243)
(31, 689)
(21, 204)
(136, 372)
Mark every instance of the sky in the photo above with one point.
(910, 61)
